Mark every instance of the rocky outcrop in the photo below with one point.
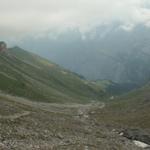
(3, 46)
(136, 134)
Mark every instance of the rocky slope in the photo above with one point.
(129, 115)
(27, 125)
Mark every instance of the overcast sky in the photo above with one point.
(23, 17)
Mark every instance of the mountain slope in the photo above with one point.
(28, 125)
(107, 52)
(131, 110)
(28, 75)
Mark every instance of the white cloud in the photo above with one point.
(23, 17)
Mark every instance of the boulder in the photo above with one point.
(136, 134)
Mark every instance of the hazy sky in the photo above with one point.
(23, 17)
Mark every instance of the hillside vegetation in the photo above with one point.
(28, 75)
(131, 110)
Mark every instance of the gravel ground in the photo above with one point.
(57, 127)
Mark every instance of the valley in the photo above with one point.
(74, 74)
(44, 106)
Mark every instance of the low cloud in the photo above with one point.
(23, 18)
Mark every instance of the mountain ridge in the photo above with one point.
(24, 73)
(107, 52)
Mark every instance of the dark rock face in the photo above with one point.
(136, 134)
(3, 46)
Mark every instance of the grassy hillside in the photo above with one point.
(130, 110)
(28, 75)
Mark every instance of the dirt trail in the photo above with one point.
(15, 116)
(73, 108)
